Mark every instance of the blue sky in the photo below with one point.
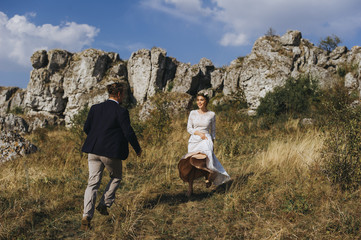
(220, 30)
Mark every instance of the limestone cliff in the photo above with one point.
(61, 82)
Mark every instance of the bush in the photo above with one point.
(77, 123)
(342, 153)
(335, 102)
(295, 97)
(227, 104)
(329, 43)
(157, 127)
(16, 110)
(342, 150)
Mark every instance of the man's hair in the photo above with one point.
(115, 88)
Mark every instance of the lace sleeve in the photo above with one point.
(213, 127)
(190, 128)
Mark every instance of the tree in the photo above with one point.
(270, 32)
(329, 43)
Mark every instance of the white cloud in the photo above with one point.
(233, 39)
(244, 21)
(189, 10)
(190, 6)
(19, 38)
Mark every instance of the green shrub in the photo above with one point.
(170, 86)
(16, 110)
(158, 125)
(295, 97)
(329, 43)
(335, 102)
(229, 104)
(342, 150)
(342, 153)
(345, 68)
(341, 71)
(77, 123)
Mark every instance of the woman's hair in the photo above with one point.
(115, 88)
(204, 95)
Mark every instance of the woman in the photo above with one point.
(200, 159)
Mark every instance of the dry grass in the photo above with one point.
(277, 190)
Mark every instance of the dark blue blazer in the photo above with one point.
(109, 131)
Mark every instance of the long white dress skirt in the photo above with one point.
(197, 145)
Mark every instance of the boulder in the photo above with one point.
(231, 79)
(39, 59)
(13, 145)
(185, 79)
(17, 101)
(351, 81)
(206, 68)
(158, 66)
(6, 94)
(58, 59)
(149, 71)
(193, 78)
(217, 79)
(45, 92)
(37, 120)
(139, 74)
(291, 38)
(11, 122)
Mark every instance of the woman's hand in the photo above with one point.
(202, 135)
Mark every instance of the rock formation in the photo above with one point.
(13, 145)
(11, 122)
(62, 83)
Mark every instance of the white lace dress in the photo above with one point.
(205, 123)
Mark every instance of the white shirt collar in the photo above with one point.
(113, 100)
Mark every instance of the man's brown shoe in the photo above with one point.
(102, 209)
(85, 224)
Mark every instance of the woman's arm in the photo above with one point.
(213, 127)
(190, 128)
(202, 135)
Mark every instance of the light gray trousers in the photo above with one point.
(96, 167)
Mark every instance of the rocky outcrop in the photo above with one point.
(274, 59)
(192, 78)
(39, 59)
(86, 78)
(149, 71)
(140, 71)
(11, 98)
(62, 83)
(13, 145)
(11, 122)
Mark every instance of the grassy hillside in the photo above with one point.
(279, 187)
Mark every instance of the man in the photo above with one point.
(108, 132)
